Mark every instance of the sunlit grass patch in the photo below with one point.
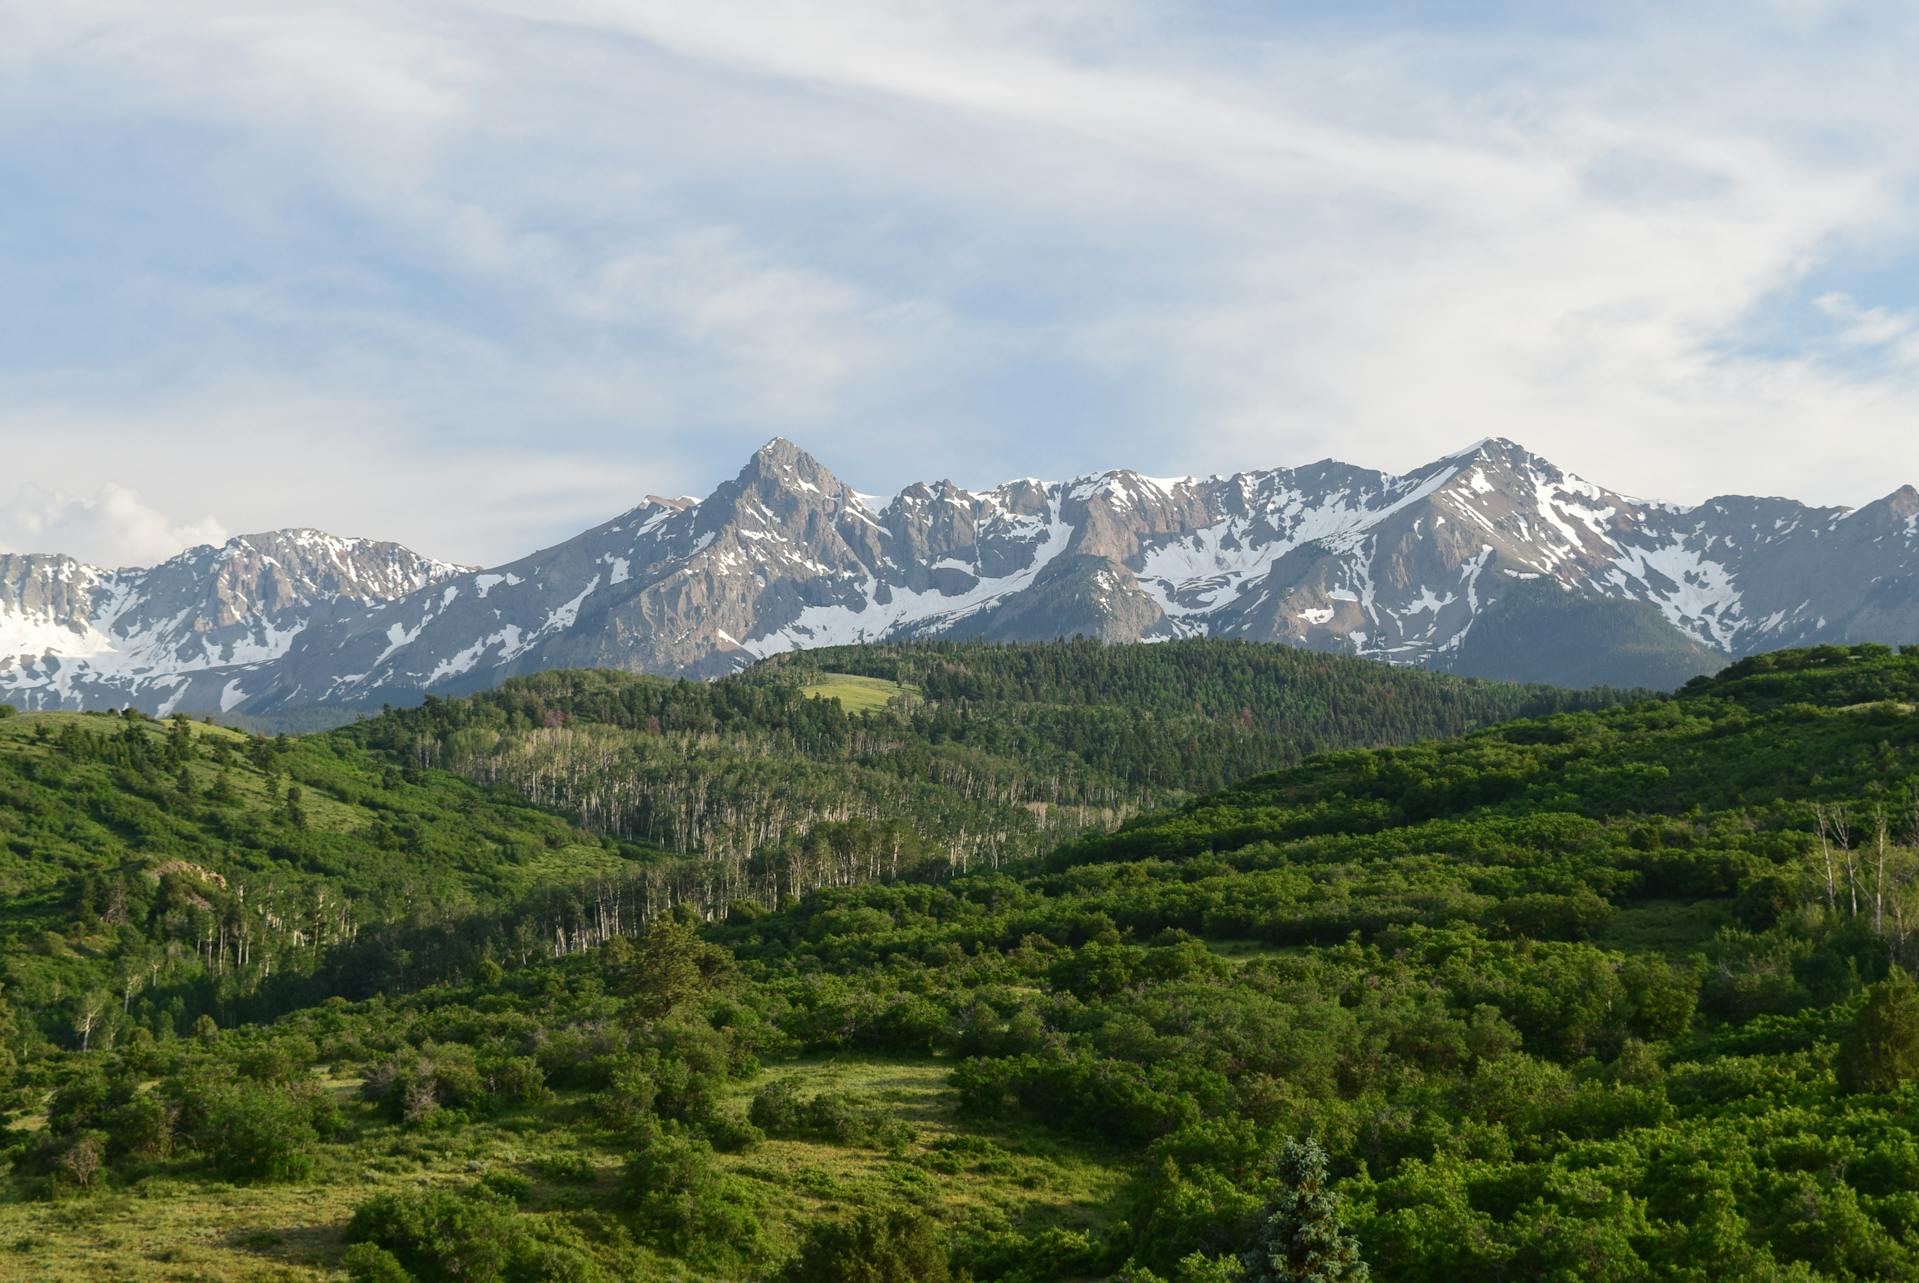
(856, 694)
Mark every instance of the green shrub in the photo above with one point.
(141, 1128)
(262, 1134)
(679, 1201)
(572, 1169)
(839, 1118)
(732, 1135)
(512, 1186)
(516, 1079)
(893, 1245)
(414, 1086)
(371, 1263)
(440, 1235)
(629, 1095)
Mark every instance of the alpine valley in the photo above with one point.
(1489, 562)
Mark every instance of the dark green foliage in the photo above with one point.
(439, 1236)
(680, 1202)
(1000, 751)
(1539, 632)
(464, 1236)
(414, 1087)
(1881, 1050)
(1302, 1240)
(893, 1245)
(670, 964)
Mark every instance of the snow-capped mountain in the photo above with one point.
(73, 635)
(1489, 561)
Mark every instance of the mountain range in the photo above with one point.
(1488, 562)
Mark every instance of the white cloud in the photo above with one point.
(474, 274)
(1872, 327)
(113, 526)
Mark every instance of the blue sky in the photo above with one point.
(475, 275)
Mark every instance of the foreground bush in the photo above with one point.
(894, 1245)
(459, 1236)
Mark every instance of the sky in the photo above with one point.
(477, 275)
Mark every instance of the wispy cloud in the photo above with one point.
(477, 273)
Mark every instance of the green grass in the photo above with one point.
(856, 694)
(178, 1226)
(1026, 1177)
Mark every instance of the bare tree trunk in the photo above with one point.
(1879, 888)
(1825, 850)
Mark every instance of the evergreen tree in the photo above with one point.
(1303, 1240)
(1881, 1051)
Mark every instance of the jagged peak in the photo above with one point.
(307, 540)
(1498, 452)
(781, 463)
(1490, 447)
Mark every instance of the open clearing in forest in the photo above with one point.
(856, 694)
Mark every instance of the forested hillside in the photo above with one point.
(1605, 995)
(154, 872)
(983, 754)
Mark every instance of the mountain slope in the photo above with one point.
(73, 635)
(1538, 632)
(1329, 556)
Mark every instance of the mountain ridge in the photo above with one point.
(786, 555)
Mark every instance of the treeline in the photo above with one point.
(989, 754)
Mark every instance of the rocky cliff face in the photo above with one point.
(1491, 561)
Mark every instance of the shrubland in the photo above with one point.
(1619, 993)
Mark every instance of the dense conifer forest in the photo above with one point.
(1611, 992)
(982, 754)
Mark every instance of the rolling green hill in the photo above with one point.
(188, 869)
(993, 754)
(179, 868)
(1610, 994)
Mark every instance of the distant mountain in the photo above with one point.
(1417, 569)
(77, 636)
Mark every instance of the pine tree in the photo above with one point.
(1881, 1050)
(1303, 1240)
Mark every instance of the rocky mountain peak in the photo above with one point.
(1456, 565)
(780, 463)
